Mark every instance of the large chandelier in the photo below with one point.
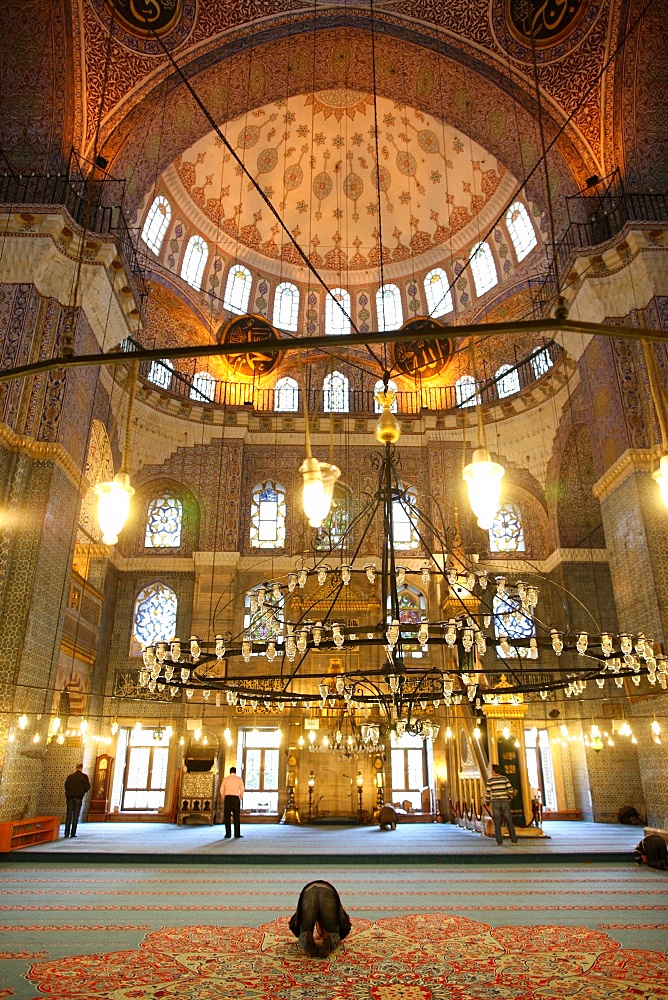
(404, 668)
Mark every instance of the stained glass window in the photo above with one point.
(203, 387)
(335, 525)
(336, 323)
(507, 533)
(541, 363)
(160, 373)
(380, 387)
(194, 261)
(267, 622)
(404, 521)
(286, 306)
(286, 395)
(155, 614)
(465, 391)
(163, 523)
(238, 288)
(156, 224)
(412, 608)
(522, 233)
(388, 308)
(437, 291)
(507, 381)
(483, 268)
(268, 511)
(335, 393)
(512, 621)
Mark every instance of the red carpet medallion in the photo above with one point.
(417, 957)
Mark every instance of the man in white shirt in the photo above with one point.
(232, 792)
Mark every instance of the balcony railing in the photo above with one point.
(182, 385)
(596, 216)
(92, 204)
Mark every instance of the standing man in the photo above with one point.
(232, 792)
(499, 792)
(76, 786)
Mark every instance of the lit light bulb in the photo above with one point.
(660, 477)
(318, 487)
(476, 733)
(483, 478)
(506, 733)
(23, 721)
(311, 737)
(113, 506)
(448, 733)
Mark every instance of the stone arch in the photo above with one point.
(579, 521)
(436, 76)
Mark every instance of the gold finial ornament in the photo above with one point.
(387, 428)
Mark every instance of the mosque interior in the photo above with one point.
(361, 308)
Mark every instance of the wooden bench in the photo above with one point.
(18, 833)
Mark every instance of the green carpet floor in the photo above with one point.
(144, 932)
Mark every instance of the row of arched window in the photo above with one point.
(156, 608)
(164, 520)
(389, 308)
(506, 378)
(336, 386)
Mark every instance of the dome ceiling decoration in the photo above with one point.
(314, 157)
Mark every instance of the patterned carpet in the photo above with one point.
(526, 932)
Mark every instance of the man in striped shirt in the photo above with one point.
(499, 792)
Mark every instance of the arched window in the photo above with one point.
(336, 321)
(437, 292)
(404, 520)
(379, 387)
(286, 395)
(330, 534)
(155, 226)
(203, 387)
(286, 306)
(522, 233)
(163, 523)
(541, 363)
(507, 533)
(465, 391)
(507, 381)
(483, 268)
(388, 308)
(511, 620)
(155, 614)
(160, 373)
(238, 289)
(267, 529)
(335, 393)
(194, 261)
(266, 622)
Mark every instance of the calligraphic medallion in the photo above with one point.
(547, 30)
(425, 356)
(142, 17)
(248, 330)
(545, 22)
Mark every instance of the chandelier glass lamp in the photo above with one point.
(113, 498)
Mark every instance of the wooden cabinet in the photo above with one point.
(100, 791)
(20, 833)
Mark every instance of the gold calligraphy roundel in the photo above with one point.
(141, 17)
(247, 331)
(425, 356)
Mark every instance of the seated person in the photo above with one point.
(652, 851)
(319, 909)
